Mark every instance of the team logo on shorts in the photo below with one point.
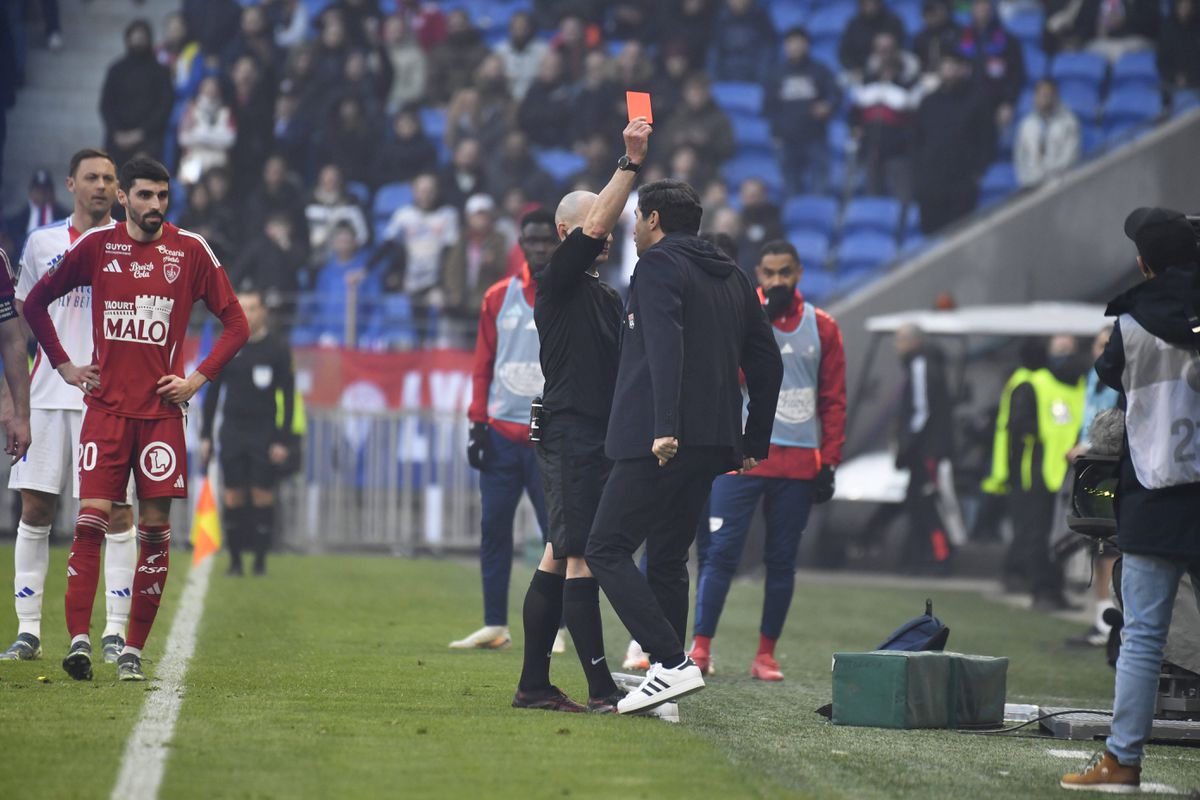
(171, 272)
(157, 461)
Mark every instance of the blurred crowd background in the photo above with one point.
(364, 162)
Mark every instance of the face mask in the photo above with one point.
(1065, 368)
(779, 300)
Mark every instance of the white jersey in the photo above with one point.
(71, 313)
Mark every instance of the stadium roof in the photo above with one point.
(1027, 319)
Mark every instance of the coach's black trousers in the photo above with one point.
(643, 502)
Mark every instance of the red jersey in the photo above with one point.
(142, 297)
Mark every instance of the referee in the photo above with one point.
(253, 447)
(578, 319)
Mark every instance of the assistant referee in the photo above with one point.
(578, 319)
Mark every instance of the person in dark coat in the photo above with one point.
(693, 319)
(924, 438)
(800, 100)
(872, 18)
(1179, 47)
(939, 36)
(953, 135)
(997, 62)
(1151, 360)
(136, 99)
(743, 43)
(452, 63)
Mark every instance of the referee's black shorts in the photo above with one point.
(574, 470)
(246, 461)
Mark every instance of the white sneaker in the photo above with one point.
(635, 658)
(662, 684)
(667, 712)
(489, 637)
(560, 643)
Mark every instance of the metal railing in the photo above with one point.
(394, 482)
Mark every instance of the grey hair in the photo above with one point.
(1107, 432)
(570, 208)
(912, 332)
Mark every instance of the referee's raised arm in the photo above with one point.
(583, 216)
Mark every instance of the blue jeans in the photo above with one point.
(806, 166)
(1148, 588)
(733, 500)
(511, 469)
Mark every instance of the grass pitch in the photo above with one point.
(331, 678)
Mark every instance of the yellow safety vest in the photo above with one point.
(997, 482)
(1060, 417)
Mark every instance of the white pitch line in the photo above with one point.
(145, 756)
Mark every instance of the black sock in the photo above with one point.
(674, 662)
(235, 523)
(581, 610)
(264, 526)
(540, 615)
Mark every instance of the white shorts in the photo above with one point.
(53, 455)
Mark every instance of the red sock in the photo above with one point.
(702, 644)
(766, 647)
(83, 569)
(149, 581)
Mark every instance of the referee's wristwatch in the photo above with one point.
(624, 163)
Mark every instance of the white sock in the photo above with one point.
(1101, 607)
(137, 651)
(120, 558)
(32, 559)
(83, 637)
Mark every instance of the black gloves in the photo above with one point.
(823, 485)
(478, 445)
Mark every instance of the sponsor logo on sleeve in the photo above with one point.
(147, 320)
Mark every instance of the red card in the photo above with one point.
(639, 106)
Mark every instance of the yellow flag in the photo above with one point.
(206, 525)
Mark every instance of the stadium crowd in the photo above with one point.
(380, 153)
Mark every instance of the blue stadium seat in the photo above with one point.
(1092, 137)
(390, 197)
(1131, 105)
(561, 164)
(1081, 97)
(817, 284)
(433, 121)
(1026, 25)
(1079, 66)
(752, 132)
(738, 98)
(837, 133)
(1183, 101)
(391, 323)
(871, 214)
(788, 14)
(829, 21)
(810, 212)
(812, 247)
(1036, 62)
(1136, 70)
(754, 165)
(826, 53)
(360, 192)
(865, 250)
(910, 15)
(912, 222)
(998, 182)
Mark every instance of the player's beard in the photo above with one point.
(149, 222)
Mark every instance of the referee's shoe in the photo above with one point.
(662, 684)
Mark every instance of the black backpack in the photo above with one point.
(925, 632)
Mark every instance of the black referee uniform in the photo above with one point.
(578, 318)
(249, 385)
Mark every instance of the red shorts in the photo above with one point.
(109, 446)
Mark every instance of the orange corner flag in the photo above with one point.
(206, 525)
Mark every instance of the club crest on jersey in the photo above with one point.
(140, 270)
(157, 461)
(147, 320)
(171, 272)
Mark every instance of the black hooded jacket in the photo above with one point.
(1161, 522)
(692, 320)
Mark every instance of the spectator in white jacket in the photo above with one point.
(206, 132)
(1048, 138)
(522, 53)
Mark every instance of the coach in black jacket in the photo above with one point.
(692, 321)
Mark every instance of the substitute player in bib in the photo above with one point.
(56, 416)
(145, 276)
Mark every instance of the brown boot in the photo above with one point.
(1105, 774)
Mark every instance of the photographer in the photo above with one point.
(1153, 361)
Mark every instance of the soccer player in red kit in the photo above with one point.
(145, 275)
